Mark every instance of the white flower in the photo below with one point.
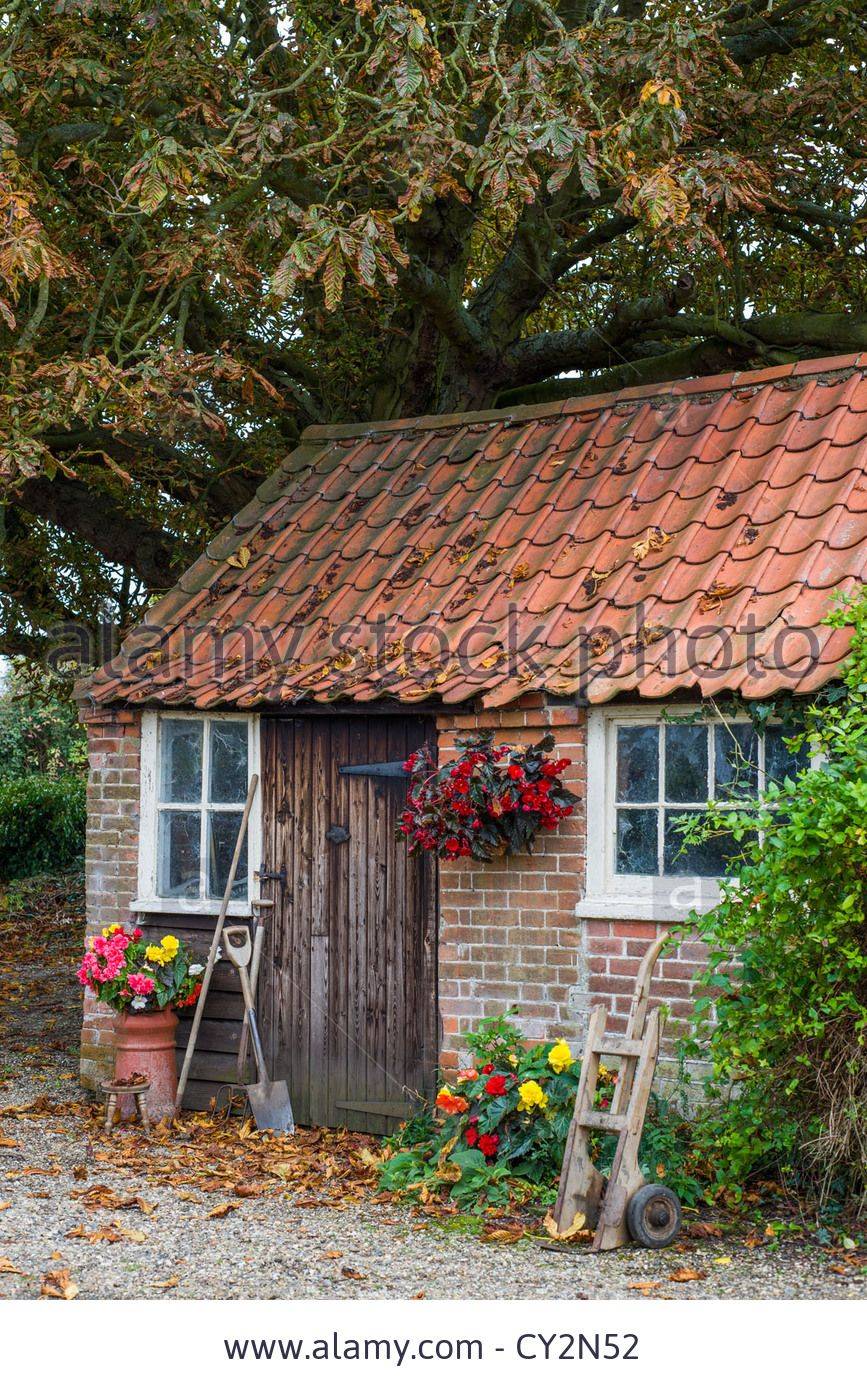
(139, 1002)
(195, 970)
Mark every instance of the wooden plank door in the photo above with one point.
(348, 994)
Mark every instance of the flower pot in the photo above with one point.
(145, 1043)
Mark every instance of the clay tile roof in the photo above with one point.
(687, 536)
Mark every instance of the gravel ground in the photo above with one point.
(269, 1248)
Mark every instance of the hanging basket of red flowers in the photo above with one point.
(493, 799)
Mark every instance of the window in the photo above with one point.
(644, 774)
(195, 775)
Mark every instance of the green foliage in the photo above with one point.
(498, 1133)
(39, 728)
(42, 824)
(783, 1020)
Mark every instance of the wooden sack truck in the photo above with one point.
(627, 1206)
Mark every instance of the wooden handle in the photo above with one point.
(240, 950)
(215, 941)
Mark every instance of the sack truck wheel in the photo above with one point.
(654, 1216)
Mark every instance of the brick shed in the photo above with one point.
(601, 568)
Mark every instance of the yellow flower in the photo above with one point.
(171, 946)
(513, 1058)
(532, 1096)
(560, 1056)
(157, 955)
(110, 931)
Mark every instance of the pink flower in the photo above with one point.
(140, 984)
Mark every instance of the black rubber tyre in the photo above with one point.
(654, 1216)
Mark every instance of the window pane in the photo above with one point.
(223, 829)
(181, 759)
(637, 762)
(228, 761)
(636, 842)
(707, 860)
(686, 762)
(178, 854)
(737, 761)
(780, 761)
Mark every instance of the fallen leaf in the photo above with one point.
(79, 1172)
(685, 1276)
(4, 1206)
(506, 1235)
(246, 1189)
(128, 1234)
(167, 1283)
(8, 1143)
(101, 1196)
(352, 1273)
(656, 539)
(723, 1260)
(58, 1283)
(421, 1294)
(332, 1254)
(241, 558)
(711, 600)
(7, 1267)
(222, 1210)
(644, 1286)
(572, 1231)
(702, 1230)
(93, 1237)
(840, 1269)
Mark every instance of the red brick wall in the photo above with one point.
(111, 858)
(509, 930)
(613, 954)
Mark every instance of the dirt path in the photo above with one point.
(208, 1210)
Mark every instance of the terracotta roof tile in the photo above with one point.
(680, 536)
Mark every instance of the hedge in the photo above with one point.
(42, 822)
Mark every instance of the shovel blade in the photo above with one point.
(271, 1106)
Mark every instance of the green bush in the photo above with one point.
(42, 824)
(39, 728)
(784, 1017)
(497, 1134)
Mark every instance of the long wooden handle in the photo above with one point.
(251, 1019)
(215, 941)
(258, 942)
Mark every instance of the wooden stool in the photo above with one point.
(113, 1090)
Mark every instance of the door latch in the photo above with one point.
(265, 876)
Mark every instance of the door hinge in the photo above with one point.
(395, 769)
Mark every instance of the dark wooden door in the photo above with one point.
(349, 981)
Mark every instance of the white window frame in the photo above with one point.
(148, 899)
(636, 897)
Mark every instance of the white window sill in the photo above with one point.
(188, 906)
(616, 908)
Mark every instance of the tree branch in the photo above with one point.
(569, 349)
(121, 538)
(452, 318)
(701, 359)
